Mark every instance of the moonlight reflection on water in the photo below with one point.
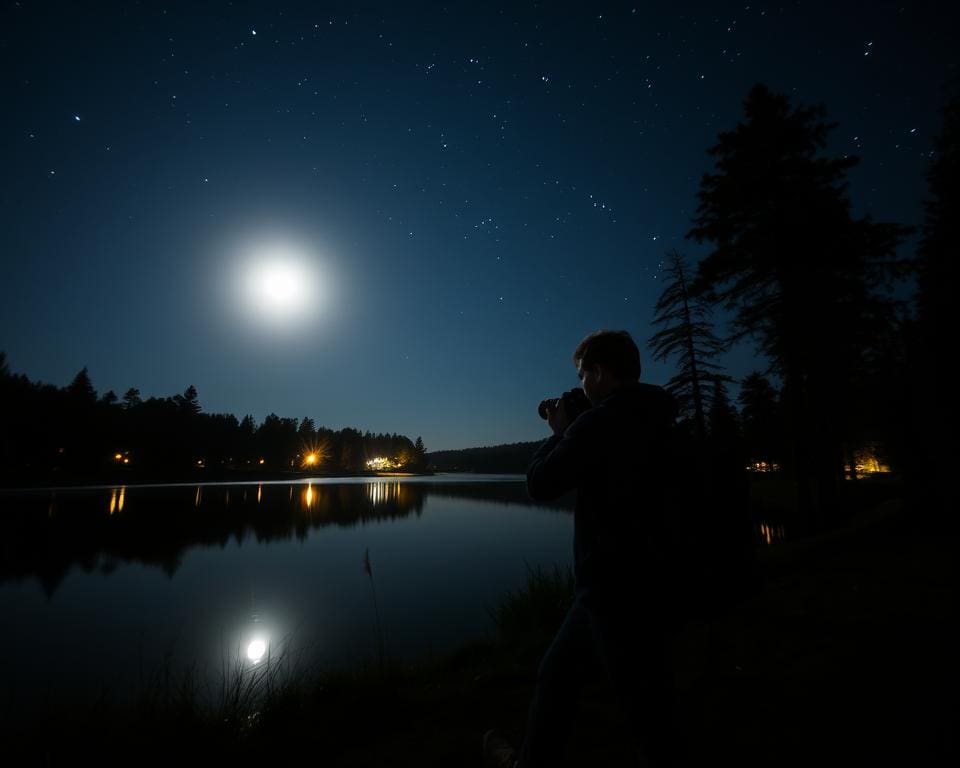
(237, 576)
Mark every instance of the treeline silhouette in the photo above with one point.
(66, 434)
(508, 458)
(852, 328)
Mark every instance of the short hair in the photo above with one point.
(614, 350)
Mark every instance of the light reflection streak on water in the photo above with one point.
(771, 534)
(383, 493)
(116, 499)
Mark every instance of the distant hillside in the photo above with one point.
(511, 458)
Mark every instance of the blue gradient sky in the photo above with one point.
(476, 188)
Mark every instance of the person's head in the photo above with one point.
(606, 360)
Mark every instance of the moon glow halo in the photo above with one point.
(278, 287)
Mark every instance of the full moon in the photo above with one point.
(280, 285)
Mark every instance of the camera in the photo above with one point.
(575, 401)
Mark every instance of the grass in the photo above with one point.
(537, 607)
(844, 655)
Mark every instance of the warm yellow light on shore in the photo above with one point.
(381, 462)
(867, 461)
(760, 465)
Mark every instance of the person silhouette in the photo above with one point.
(613, 455)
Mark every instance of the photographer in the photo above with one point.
(613, 454)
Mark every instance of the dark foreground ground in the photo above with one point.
(847, 655)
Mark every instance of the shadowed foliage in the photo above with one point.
(801, 273)
(687, 335)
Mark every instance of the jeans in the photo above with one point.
(632, 650)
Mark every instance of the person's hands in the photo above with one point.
(558, 419)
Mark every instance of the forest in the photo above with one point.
(847, 314)
(72, 434)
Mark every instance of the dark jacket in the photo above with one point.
(615, 456)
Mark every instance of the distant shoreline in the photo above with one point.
(42, 482)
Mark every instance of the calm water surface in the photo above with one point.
(101, 588)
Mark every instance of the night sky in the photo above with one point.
(457, 195)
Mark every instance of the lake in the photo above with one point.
(104, 588)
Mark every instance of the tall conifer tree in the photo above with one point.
(799, 271)
(686, 334)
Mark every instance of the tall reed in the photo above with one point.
(368, 569)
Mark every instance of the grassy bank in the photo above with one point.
(846, 654)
